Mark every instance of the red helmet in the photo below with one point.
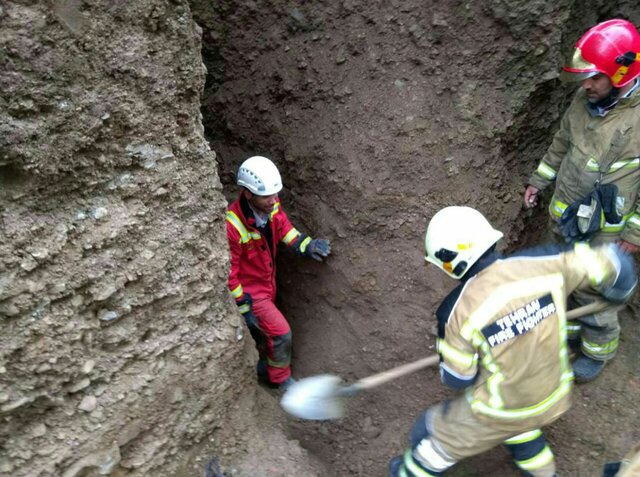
(611, 48)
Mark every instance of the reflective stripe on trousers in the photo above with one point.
(599, 333)
(532, 454)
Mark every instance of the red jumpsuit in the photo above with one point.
(253, 271)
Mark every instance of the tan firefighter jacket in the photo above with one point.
(587, 148)
(506, 333)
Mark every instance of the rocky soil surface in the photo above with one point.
(121, 351)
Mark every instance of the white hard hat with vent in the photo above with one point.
(260, 176)
(457, 237)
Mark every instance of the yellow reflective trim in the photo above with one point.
(493, 385)
(600, 350)
(544, 457)
(627, 163)
(634, 220)
(303, 245)
(233, 219)
(496, 378)
(524, 437)
(479, 341)
(414, 468)
(237, 292)
(276, 209)
(592, 165)
(595, 268)
(245, 235)
(574, 330)
(557, 207)
(459, 358)
(531, 411)
(546, 171)
(244, 308)
(291, 236)
(607, 227)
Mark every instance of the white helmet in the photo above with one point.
(457, 237)
(260, 176)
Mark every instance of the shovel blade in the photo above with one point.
(315, 398)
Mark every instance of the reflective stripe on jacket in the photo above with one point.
(253, 268)
(586, 147)
(508, 327)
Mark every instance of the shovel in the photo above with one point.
(323, 396)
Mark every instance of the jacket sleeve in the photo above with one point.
(235, 249)
(458, 357)
(287, 233)
(605, 269)
(548, 168)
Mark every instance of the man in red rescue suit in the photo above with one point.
(256, 223)
(594, 165)
(503, 339)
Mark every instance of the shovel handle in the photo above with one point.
(381, 378)
(391, 374)
(591, 308)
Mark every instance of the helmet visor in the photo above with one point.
(574, 76)
(578, 68)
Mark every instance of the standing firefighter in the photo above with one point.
(256, 223)
(594, 160)
(502, 337)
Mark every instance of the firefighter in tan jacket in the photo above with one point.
(597, 147)
(503, 338)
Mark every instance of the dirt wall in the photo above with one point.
(121, 352)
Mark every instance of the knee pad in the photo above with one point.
(282, 349)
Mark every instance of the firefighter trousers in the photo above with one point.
(450, 432)
(597, 334)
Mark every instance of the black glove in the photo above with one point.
(608, 195)
(582, 218)
(318, 249)
(245, 304)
